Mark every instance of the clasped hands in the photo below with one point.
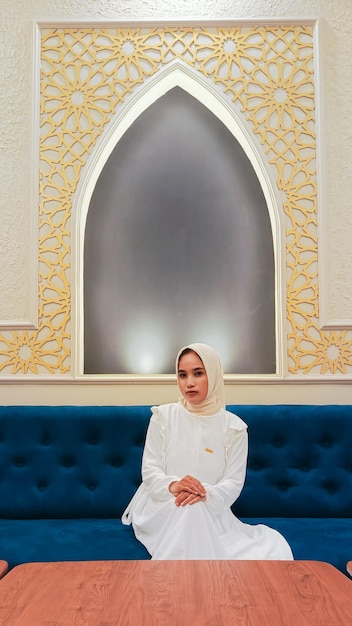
(188, 490)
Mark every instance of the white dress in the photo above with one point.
(214, 450)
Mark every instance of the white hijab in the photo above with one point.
(215, 399)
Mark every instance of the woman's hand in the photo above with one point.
(184, 497)
(188, 490)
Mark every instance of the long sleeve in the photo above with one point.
(154, 477)
(226, 491)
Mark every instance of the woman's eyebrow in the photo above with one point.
(195, 369)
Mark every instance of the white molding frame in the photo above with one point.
(166, 379)
(20, 324)
(325, 323)
(33, 201)
(172, 22)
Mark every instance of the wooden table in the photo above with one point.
(4, 566)
(170, 593)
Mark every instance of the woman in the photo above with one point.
(193, 469)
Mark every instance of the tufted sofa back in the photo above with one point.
(84, 461)
(69, 461)
(300, 461)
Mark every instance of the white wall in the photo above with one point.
(17, 211)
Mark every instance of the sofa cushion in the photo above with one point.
(315, 539)
(23, 541)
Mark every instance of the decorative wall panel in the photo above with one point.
(266, 72)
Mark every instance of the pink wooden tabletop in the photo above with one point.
(182, 593)
(3, 568)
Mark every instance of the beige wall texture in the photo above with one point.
(18, 217)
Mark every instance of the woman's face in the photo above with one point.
(192, 378)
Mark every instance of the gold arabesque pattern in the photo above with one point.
(266, 72)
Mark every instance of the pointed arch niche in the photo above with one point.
(178, 236)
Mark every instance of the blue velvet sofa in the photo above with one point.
(68, 472)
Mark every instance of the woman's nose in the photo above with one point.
(190, 382)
